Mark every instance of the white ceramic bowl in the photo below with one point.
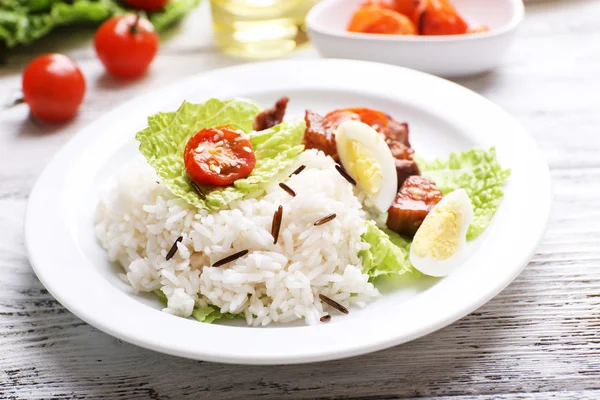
(448, 56)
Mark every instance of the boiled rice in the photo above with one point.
(138, 220)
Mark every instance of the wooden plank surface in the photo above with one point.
(539, 339)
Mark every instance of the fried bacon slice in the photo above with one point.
(383, 123)
(271, 116)
(396, 132)
(320, 130)
(405, 169)
(403, 158)
(319, 134)
(417, 196)
(400, 151)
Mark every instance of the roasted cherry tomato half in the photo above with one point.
(376, 119)
(376, 19)
(439, 17)
(147, 5)
(219, 156)
(53, 87)
(126, 45)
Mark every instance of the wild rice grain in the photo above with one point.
(343, 173)
(197, 189)
(325, 318)
(173, 250)
(298, 170)
(333, 304)
(325, 220)
(288, 189)
(276, 226)
(230, 258)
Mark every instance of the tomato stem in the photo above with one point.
(134, 28)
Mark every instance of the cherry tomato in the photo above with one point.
(219, 156)
(147, 5)
(126, 45)
(439, 17)
(376, 119)
(376, 19)
(53, 87)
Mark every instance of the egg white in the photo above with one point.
(459, 203)
(374, 142)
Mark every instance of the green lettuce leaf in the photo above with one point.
(173, 11)
(161, 296)
(387, 254)
(163, 142)
(210, 314)
(203, 314)
(479, 173)
(24, 21)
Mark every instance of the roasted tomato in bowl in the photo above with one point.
(377, 19)
(450, 38)
(439, 17)
(410, 17)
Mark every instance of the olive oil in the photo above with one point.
(260, 28)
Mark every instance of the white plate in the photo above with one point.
(443, 116)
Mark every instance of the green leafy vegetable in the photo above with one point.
(24, 21)
(161, 296)
(173, 11)
(388, 254)
(211, 313)
(203, 314)
(164, 141)
(479, 173)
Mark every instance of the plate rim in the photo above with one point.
(130, 336)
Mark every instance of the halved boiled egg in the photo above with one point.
(439, 244)
(368, 160)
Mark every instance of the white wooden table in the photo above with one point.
(539, 339)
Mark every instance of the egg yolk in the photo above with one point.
(439, 235)
(363, 167)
